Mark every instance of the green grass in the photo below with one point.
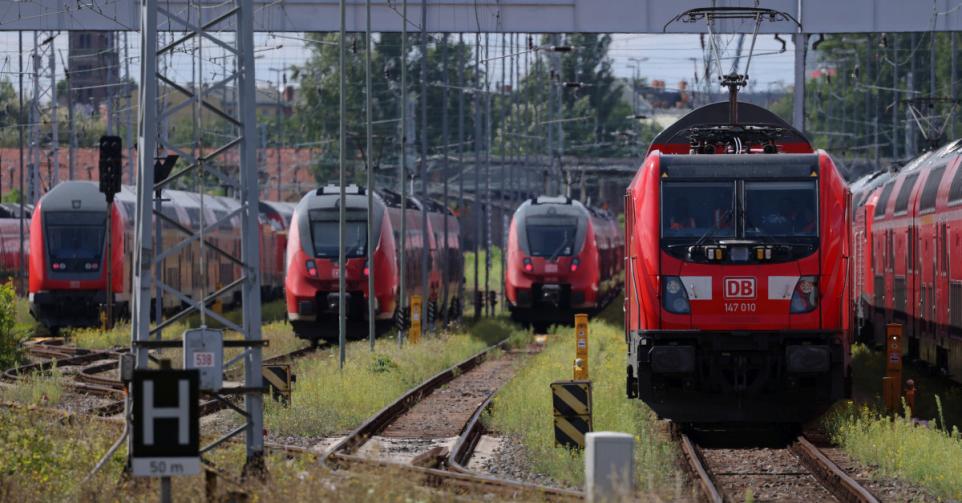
(36, 389)
(45, 457)
(928, 456)
(523, 409)
(328, 400)
(272, 315)
(868, 367)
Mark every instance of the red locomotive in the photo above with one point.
(562, 258)
(312, 282)
(737, 249)
(907, 228)
(68, 242)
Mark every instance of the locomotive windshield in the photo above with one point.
(75, 239)
(698, 216)
(694, 209)
(780, 209)
(551, 236)
(324, 233)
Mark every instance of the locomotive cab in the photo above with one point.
(736, 307)
(552, 258)
(312, 281)
(68, 256)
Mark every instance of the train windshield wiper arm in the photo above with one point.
(554, 254)
(711, 230)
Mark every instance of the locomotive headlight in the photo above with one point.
(805, 297)
(672, 285)
(675, 298)
(574, 264)
(311, 268)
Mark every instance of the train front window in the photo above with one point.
(75, 239)
(551, 236)
(324, 233)
(781, 209)
(696, 209)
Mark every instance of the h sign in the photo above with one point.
(166, 423)
(739, 288)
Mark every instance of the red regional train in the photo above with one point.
(737, 249)
(67, 263)
(312, 249)
(907, 239)
(563, 258)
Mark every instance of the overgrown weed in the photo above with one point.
(523, 409)
(328, 400)
(900, 447)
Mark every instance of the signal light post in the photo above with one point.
(111, 166)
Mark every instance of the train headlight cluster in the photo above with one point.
(311, 268)
(805, 298)
(675, 298)
(527, 264)
(574, 264)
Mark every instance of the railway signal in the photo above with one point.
(111, 172)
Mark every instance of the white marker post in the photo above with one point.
(609, 466)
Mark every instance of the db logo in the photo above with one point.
(739, 288)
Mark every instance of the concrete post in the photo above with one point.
(609, 466)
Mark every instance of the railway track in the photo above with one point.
(432, 463)
(798, 472)
(86, 369)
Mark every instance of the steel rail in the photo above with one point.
(696, 466)
(463, 449)
(840, 484)
(343, 453)
(379, 421)
(826, 472)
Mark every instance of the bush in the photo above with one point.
(10, 338)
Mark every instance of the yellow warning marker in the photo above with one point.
(571, 404)
(581, 347)
(279, 380)
(414, 333)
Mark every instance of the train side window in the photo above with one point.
(931, 189)
(883, 199)
(905, 191)
(955, 190)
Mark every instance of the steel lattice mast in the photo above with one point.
(229, 27)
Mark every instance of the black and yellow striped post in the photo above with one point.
(279, 379)
(571, 401)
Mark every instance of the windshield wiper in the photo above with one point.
(554, 255)
(711, 230)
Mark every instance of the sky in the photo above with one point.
(667, 57)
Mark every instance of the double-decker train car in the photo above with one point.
(912, 261)
(68, 252)
(864, 200)
(449, 258)
(563, 258)
(11, 247)
(737, 247)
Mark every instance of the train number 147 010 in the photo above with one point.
(740, 307)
